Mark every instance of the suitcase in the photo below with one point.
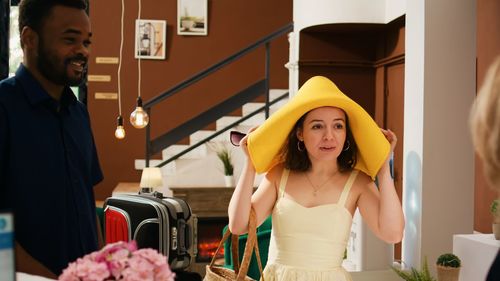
(153, 221)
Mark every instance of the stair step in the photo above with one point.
(140, 164)
(275, 93)
(196, 153)
(201, 167)
(225, 121)
(203, 134)
(252, 106)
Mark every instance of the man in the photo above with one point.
(48, 159)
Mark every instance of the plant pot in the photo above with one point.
(496, 230)
(446, 273)
(229, 180)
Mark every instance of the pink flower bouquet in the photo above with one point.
(119, 261)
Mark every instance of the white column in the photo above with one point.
(438, 154)
(293, 64)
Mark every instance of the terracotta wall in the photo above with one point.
(488, 47)
(232, 25)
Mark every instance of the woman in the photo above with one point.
(320, 164)
(485, 130)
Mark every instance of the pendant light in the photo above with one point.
(139, 118)
(120, 131)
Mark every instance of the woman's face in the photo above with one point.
(323, 133)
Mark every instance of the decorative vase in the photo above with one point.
(229, 180)
(496, 230)
(446, 273)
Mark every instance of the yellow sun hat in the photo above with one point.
(266, 142)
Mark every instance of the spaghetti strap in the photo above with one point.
(347, 187)
(284, 179)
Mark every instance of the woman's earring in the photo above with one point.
(301, 148)
(348, 146)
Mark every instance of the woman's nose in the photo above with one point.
(328, 134)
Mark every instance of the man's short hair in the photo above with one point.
(32, 13)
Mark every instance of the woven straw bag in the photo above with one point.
(217, 273)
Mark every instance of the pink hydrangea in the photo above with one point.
(119, 261)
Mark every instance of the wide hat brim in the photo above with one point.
(266, 142)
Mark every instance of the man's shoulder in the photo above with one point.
(8, 89)
(81, 108)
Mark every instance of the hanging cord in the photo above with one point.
(138, 49)
(120, 62)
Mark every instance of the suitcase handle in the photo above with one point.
(182, 230)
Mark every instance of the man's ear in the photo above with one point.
(29, 38)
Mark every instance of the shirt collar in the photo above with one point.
(36, 94)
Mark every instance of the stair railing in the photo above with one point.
(178, 133)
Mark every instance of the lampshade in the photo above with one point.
(151, 177)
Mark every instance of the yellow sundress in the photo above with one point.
(308, 243)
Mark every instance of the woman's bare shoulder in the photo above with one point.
(275, 172)
(362, 180)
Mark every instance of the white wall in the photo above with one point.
(439, 90)
(315, 12)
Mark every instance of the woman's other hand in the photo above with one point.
(391, 137)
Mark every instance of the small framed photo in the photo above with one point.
(192, 17)
(150, 37)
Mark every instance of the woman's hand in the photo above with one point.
(244, 141)
(391, 137)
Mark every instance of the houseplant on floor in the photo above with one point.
(225, 157)
(448, 267)
(414, 274)
(495, 211)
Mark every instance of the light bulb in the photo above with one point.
(139, 118)
(120, 131)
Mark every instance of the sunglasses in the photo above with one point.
(235, 137)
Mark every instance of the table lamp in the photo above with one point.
(150, 179)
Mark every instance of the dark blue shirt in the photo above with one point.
(48, 167)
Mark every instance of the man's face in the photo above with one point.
(63, 46)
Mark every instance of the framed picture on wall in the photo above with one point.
(192, 17)
(150, 36)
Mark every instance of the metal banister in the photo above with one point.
(195, 78)
(262, 87)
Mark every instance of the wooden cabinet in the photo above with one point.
(205, 201)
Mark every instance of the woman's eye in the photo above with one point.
(317, 126)
(339, 126)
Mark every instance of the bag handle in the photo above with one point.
(250, 246)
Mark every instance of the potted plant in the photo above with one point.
(413, 274)
(448, 267)
(495, 211)
(225, 157)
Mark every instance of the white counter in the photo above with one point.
(28, 277)
(477, 252)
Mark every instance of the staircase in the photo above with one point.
(201, 167)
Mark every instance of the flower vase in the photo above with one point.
(229, 180)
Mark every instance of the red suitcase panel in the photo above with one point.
(117, 225)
